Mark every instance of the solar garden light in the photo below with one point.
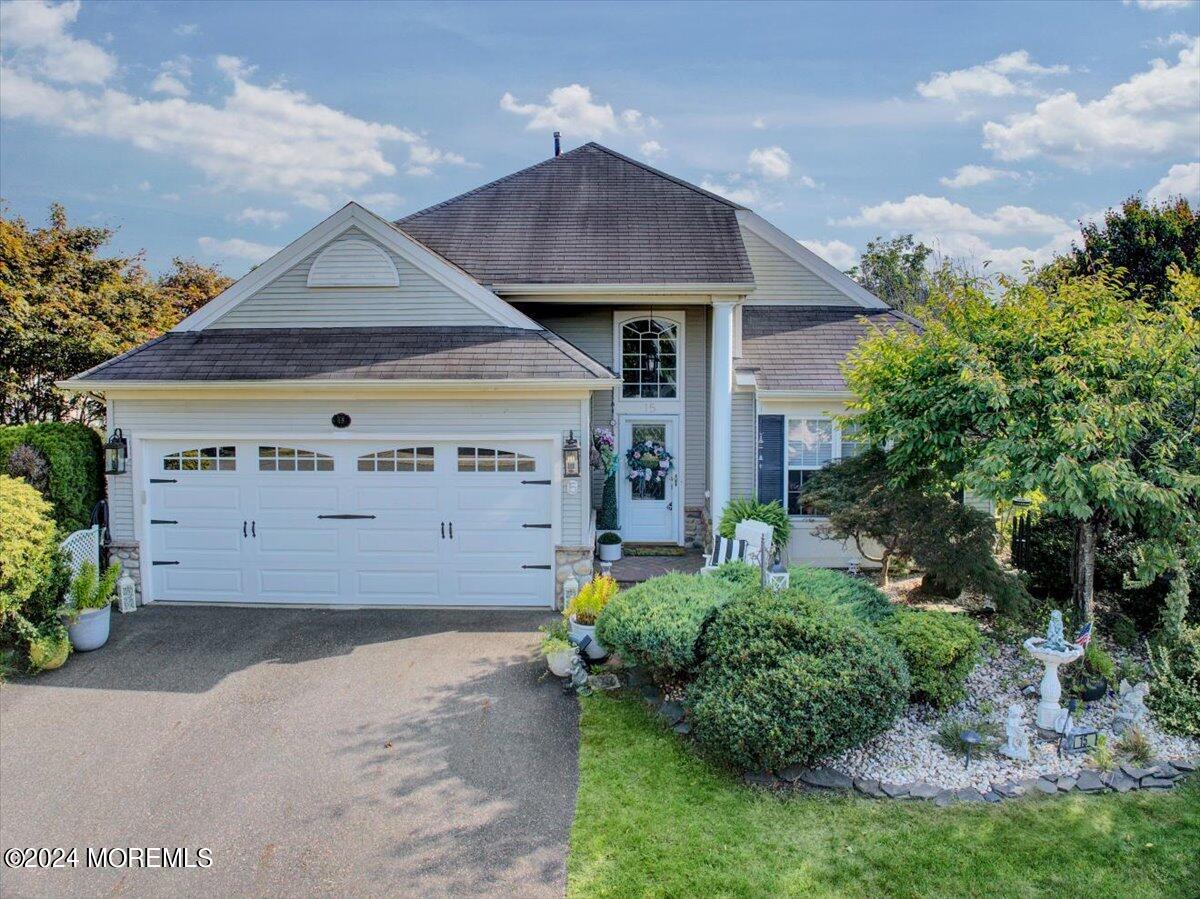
(116, 453)
(972, 739)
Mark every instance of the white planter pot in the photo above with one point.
(559, 663)
(579, 631)
(609, 552)
(90, 630)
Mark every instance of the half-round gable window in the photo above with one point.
(353, 263)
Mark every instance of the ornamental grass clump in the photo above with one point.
(940, 650)
(792, 680)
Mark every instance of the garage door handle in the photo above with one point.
(345, 517)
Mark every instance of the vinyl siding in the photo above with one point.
(288, 301)
(781, 279)
(252, 418)
(743, 451)
(590, 327)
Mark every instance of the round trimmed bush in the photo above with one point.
(791, 680)
(940, 650)
(863, 599)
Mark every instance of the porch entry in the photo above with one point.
(649, 509)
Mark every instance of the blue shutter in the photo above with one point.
(770, 459)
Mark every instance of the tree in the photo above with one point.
(66, 309)
(1084, 395)
(917, 520)
(1144, 240)
(896, 271)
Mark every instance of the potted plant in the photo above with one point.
(609, 544)
(585, 608)
(49, 646)
(557, 648)
(88, 609)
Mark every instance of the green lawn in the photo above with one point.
(652, 819)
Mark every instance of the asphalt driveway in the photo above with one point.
(313, 752)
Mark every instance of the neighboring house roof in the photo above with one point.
(351, 354)
(589, 216)
(802, 348)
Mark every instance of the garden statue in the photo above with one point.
(1133, 706)
(579, 676)
(1054, 633)
(1016, 743)
(1051, 651)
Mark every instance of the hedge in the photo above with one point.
(864, 600)
(940, 650)
(28, 544)
(792, 680)
(76, 466)
(658, 623)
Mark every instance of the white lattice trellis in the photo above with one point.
(82, 546)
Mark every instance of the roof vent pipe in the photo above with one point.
(557, 145)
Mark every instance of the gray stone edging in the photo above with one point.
(1124, 778)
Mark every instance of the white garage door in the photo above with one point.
(399, 523)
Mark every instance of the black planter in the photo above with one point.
(1093, 690)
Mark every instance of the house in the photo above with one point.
(382, 413)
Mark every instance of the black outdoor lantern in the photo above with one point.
(571, 457)
(116, 452)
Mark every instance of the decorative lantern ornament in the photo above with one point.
(116, 453)
(126, 593)
(571, 457)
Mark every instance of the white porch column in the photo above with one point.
(721, 405)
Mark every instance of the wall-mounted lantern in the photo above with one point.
(116, 453)
(571, 457)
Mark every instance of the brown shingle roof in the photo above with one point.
(261, 354)
(590, 216)
(803, 347)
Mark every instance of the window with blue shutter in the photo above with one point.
(770, 458)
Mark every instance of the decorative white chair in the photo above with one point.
(758, 534)
(745, 546)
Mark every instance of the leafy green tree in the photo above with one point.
(1084, 396)
(65, 309)
(896, 271)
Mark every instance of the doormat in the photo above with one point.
(650, 549)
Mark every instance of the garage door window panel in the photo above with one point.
(489, 459)
(287, 458)
(406, 458)
(207, 458)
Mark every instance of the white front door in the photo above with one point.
(391, 523)
(648, 505)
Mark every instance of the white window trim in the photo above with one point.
(655, 404)
(787, 465)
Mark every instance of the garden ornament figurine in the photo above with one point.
(1133, 706)
(579, 676)
(1052, 651)
(1016, 743)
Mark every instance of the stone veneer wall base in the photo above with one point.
(577, 560)
(128, 553)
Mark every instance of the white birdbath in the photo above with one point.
(1050, 688)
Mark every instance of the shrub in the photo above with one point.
(609, 538)
(741, 574)
(940, 650)
(27, 545)
(590, 601)
(1175, 683)
(790, 680)
(76, 466)
(772, 513)
(658, 623)
(1096, 664)
(866, 601)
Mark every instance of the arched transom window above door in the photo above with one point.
(649, 359)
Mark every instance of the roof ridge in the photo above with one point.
(667, 175)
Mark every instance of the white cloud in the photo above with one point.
(1180, 181)
(238, 248)
(383, 203)
(837, 253)
(770, 162)
(652, 149)
(745, 195)
(1159, 4)
(572, 110)
(255, 216)
(188, 29)
(1153, 112)
(759, 123)
(973, 175)
(268, 139)
(33, 37)
(145, 185)
(173, 77)
(989, 79)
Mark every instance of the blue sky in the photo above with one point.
(221, 131)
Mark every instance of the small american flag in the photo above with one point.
(1084, 637)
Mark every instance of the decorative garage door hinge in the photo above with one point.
(162, 481)
(542, 567)
(162, 521)
(536, 482)
(535, 525)
(164, 563)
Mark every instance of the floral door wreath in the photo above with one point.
(648, 461)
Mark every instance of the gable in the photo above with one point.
(345, 284)
(785, 272)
